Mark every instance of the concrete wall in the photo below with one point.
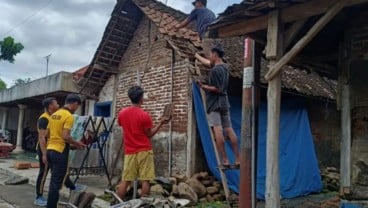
(61, 81)
(107, 92)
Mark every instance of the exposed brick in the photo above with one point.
(156, 77)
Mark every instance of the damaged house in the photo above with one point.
(141, 47)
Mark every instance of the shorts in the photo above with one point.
(139, 166)
(219, 118)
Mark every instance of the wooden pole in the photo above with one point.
(345, 140)
(245, 188)
(321, 23)
(292, 32)
(274, 50)
(345, 106)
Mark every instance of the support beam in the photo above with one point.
(289, 14)
(274, 51)
(192, 136)
(345, 140)
(322, 22)
(20, 128)
(4, 118)
(245, 188)
(293, 31)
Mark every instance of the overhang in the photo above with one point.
(58, 84)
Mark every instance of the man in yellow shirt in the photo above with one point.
(58, 146)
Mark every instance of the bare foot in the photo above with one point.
(237, 162)
(225, 162)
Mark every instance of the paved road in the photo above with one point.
(16, 196)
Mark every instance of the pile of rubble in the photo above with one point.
(201, 187)
(331, 179)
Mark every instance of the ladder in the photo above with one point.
(220, 167)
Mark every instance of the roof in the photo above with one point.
(250, 9)
(119, 31)
(304, 81)
(250, 17)
(185, 42)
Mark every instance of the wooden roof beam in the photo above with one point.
(289, 14)
(321, 23)
(109, 69)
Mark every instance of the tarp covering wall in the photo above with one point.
(299, 172)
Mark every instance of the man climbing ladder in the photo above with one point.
(218, 103)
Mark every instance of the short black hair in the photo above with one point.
(204, 2)
(219, 50)
(47, 101)
(73, 98)
(135, 94)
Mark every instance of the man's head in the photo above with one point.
(136, 95)
(217, 54)
(199, 3)
(72, 102)
(50, 104)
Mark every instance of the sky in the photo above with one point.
(69, 30)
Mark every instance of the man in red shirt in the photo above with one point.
(137, 131)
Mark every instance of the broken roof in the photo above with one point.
(124, 21)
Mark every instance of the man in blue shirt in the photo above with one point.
(201, 15)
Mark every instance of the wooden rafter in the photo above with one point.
(321, 23)
(292, 32)
(289, 14)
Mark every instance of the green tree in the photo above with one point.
(19, 81)
(2, 85)
(9, 48)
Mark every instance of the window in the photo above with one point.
(103, 109)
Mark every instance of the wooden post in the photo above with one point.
(345, 106)
(192, 135)
(245, 189)
(274, 50)
(276, 68)
(345, 161)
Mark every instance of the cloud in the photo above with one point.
(69, 29)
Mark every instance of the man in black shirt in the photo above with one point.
(51, 106)
(218, 103)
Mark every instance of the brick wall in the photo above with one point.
(156, 77)
(325, 127)
(156, 81)
(359, 87)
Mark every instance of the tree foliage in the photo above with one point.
(19, 81)
(2, 85)
(9, 48)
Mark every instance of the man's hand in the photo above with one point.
(79, 145)
(44, 159)
(165, 120)
(200, 84)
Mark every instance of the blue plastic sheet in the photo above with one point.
(299, 172)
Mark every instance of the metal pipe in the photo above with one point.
(171, 101)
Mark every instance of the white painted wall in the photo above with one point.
(107, 92)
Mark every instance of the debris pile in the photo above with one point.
(201, 187)
(331, 179)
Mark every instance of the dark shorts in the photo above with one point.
(219, 118)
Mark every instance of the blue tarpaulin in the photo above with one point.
(299, 172)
